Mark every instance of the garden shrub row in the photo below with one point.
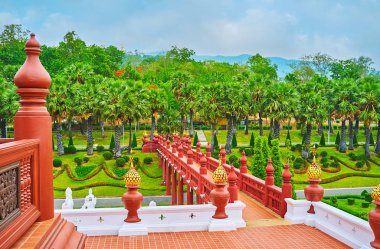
(357, 167)
(83, 171)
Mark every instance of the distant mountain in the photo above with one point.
(282, 63)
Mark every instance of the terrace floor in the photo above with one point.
(265, 229)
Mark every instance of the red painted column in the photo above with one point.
(269, 180)
(286, 188)
(33, 121)
(180, 191)
(208, 150)
(189, 199)
(174, 188)
(162, 161)
(167, 181)
(243, 170)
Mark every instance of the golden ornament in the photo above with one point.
(132, 177)
(220, 174)
(375, 194)
(314, 171)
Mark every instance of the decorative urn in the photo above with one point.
(219, 195)
(314, 192)
(132, 199)
(374, 217)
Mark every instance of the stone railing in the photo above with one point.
(179, 156)
(343, 226)
(18, 193)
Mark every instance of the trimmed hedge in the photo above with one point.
(107, 155)
(83, 171)
(57, 162)
(99, 148)
(148, 160)
(120, 162)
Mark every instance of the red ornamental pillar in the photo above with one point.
(232, 188)
(243, 169)
(222, 155)
(174, 149)
(180, 151)
(133, 198)
(374, 217)
(203, 163)
(286, 188)
(269, 180)
(33, 121)
(208, 150)
(189, 193)
(219, 195)
(189, 157)
(167, 178)
(199, 147)
(314, 192)
(168, 144)
(163, 171)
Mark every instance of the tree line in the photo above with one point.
(95, 85)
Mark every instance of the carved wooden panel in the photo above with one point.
(26, 183)
(9, 193)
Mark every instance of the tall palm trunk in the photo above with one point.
(350, 135)
(343, 145)
(90, 139)
(271, 126)
(212, 138)
(276, 127)
(191, 123)
(81, 128)
(3, 127)
(367, 140)
(102, 128)
(356, 124)
(331, 131)
(377, 148)
(261, 123)
(130, 137)
(181, 128)
(320, 128)
(305, 152)
(246, 122)
(229, 135)
(117, 151)
(153, 127)
(60, 149)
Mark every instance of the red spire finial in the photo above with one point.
(32, 74)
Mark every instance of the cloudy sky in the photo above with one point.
(284, 28)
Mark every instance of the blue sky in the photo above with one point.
(284, 28)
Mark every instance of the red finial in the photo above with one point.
(286, 175)
(243, 163)
(32, 74)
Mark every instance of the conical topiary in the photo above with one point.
(337, 139)
(112, 143)
(322, 142)
(216, 144)
(195, 141)
(234, 142)
(134, 141)
(71, 142)
(252, 140)
(355, 139)
(270, 139)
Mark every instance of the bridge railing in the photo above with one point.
(263, 191)
(19, 192)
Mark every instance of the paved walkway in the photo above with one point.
(202, 137)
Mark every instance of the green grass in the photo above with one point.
(149, 186)
(356, 209)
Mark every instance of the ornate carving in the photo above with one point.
(9, 193)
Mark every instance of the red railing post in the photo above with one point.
(208, 150)
(190, 157)
(203, 163)
(222, 155)
(232, 188)
(286, 188)
(269, 181)
(33, 121)
(243, 169)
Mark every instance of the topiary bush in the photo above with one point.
(323, 154)
(232, 159)
(148, 160)
(57, 162)
(234, 141)
(120, 162)
(126, 158)
(134, 141)
(86, 159)
(325, 164)
(322, 142)
(252, 140)
(368, 197)
(359, 164)
(350, 201)
(352, 156)
(100, 148)
(195, 141)
(83, 171)
(324, 159)
(78, 161)
(334, 199)
(249, 152)
(107, 155)
(337, 139)
(71, 149)
(112, 143)
(136, 160)
(298, 163)
(365, 204)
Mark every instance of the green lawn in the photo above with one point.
(149, 185)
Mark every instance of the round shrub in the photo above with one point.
(350, 201)
(334, 164)
(107, 155)
(120, 162)
(298, 163)
(368, 197)
(293, 148)
(324, 160)
(126, 158)
(352, 156)
(359, 164)
(324, 154)
(78, 161)
(232, 159)
(148, 160)
(365, 204)
(99, 148)
(136, 160)
(325, 164)
(86, 159)
(57, 162)
(364, 193)
(71, 149)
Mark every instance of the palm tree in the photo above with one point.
(9, 104)
(157, 104)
